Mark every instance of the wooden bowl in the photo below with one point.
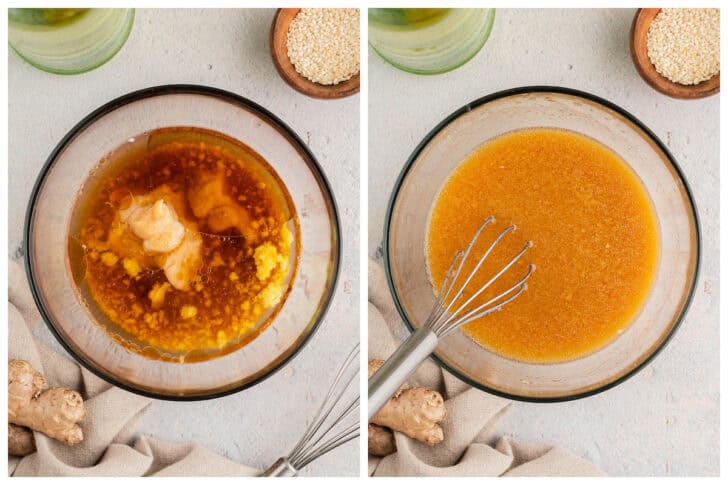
(638, 45)
(279, 51)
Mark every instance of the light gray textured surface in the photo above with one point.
(665, 420)
(226, 49)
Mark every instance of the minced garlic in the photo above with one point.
(266, 259)
(188, 311)
(109, 258)
(131, 266)
(157, 293)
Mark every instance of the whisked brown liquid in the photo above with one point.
(595, 234)
(243, 233)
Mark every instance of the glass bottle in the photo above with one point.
(429, 40)
(68, 40)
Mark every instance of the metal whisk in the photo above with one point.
(448, 314)
(336, 423)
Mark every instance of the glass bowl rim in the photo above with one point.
(163, 90)
(588, 97)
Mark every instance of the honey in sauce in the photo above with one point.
(183, 244)
(595, 235)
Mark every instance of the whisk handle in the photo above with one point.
(398, 367)
(281, 468)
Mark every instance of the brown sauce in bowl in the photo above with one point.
(183, 244)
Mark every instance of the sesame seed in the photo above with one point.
(684, 44)
(323, 44)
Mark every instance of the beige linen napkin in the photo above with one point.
(471, 416)
(108, 448)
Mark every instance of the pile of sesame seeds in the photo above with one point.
(323, 44)
(684, 44)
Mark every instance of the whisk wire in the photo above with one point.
(448, 280)
(475, 271)
(334, 442)
(316, 449)
(441, 309)
(490, 281)
(466, 254)
(310, 438)
(324, 434)
(310, 449)
(486, 308)
(443, 319)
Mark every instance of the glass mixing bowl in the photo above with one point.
(51, 208)
(448, 144)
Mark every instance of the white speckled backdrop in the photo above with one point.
(227, 49)
(665, 420)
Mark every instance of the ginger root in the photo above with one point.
(54, 412)
(415, 412)
(374, 365)
(20, 441)
(380, 441)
